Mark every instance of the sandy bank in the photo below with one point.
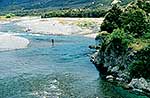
(61, 26)
(4, 20)
(9, 42)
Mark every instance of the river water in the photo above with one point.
(46, 71)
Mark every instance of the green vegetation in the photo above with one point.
(9, 15)
(75, 13)
(144, 5)
(120, 36)
(129, 34)
(141, 67)
(111, 20)
(134, 21)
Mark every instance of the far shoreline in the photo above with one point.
(61, 26)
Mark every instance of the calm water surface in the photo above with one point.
(46, 71)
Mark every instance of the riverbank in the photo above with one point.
(87, 27)
(4, 20)
(10, 42)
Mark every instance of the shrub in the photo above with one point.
(119, 34)
(79, 12)
(111, 20)
(9, 15)
(144, 5)
(118, 40)
(135, 21)
(140, 67)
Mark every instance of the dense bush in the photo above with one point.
(118, 40)
(144, 5)
(75, 13)
(140, 67)
(9, 15)
(134, 21)
(120, 35)
(111, 20)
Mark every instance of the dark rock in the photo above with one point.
(94, 47)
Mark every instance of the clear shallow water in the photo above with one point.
(46, 71)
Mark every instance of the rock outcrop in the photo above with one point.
(113, 64)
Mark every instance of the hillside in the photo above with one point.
(53, 4)
(36, 4)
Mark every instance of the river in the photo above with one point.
(45, 71)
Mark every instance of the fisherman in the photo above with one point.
(52, 42)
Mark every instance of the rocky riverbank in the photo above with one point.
(122, 53)
(113, 67)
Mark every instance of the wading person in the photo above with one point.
(52, 42)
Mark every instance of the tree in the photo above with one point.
(134, 20)
(140, 67)
(111, 20)
(144, 5)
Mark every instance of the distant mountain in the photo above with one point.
(36, 4)
(53, 4)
